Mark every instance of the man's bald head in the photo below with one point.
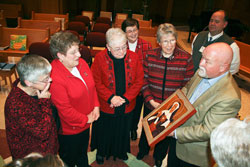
(216, 60)
(222, 52)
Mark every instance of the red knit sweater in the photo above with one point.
(30, 126)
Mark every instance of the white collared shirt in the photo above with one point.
(203, 86)
(235, 64)
(132, 46)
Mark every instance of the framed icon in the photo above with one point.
(172, 112)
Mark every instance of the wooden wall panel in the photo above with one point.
(49, 6)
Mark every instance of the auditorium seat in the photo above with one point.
(96, 41)
(103, 20)
(41, 49)
(79, 27)
(101, 27)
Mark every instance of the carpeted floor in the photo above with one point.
(131, 162)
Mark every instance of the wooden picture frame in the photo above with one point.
(173, 112)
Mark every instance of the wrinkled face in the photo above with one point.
(217, 23)
(132, 33)
(42, 82)
(118, 48)
(209, 65)
(71, 58)
(168, 43)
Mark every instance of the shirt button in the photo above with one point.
(73, 127)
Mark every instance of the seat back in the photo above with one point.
(148, 31)
(95, 39)
(118, 23)
(137, 16)
(77, 26)
(41, 49)
(33, 35)
(63, 18)
(106, 14)
(145, 23)
(122, 16)
(89, 14)
(244, 58)
(103, 20)
(101, 27)
(84, 19)
(85, 54)
(54, 26)
(48, 16)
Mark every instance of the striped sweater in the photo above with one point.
(163, 76)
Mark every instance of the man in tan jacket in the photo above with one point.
(216, 97)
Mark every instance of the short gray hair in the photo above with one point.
(165, 29)
(112, 33)
(230, 143)
(31, 67)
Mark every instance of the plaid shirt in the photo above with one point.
(179, 71)
(142, 47)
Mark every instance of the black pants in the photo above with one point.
(73, 149)
(137, 112)
(173, 160)
(161, 148)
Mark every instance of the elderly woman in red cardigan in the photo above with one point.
(118, 75)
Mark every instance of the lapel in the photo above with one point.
(193, 84)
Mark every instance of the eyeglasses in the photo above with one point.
(131, 31)
(172, 41)
(45, 80)
(117, 49)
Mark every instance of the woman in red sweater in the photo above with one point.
(118, 75)
(74, 94)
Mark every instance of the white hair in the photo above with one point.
(230, 143)
(115, 35)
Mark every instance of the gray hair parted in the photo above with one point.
(31, 67)
(165, 29)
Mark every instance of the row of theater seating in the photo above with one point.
(92, 32)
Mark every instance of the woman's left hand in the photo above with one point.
(96, 113)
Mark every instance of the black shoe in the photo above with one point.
(158, 163)
(99, 159)
(140, 155)
(133, 134)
